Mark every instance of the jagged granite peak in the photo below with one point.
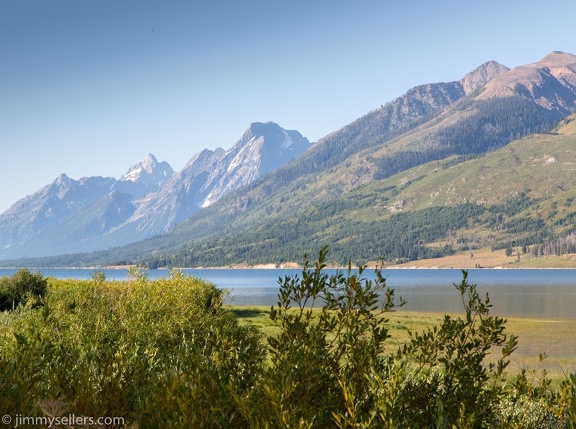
(269, 145)
(211, 174)
(480, 76)
(262, 149)
(550, 82)
(63, 179)
(146, 176)
(148, 171)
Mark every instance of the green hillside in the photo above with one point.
(543, 165)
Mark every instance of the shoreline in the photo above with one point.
(479, 259)
(295, 267)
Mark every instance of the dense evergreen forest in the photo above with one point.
(403, 236)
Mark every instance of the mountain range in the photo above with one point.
(69, 216)
(379, 186)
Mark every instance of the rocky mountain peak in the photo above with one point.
(149, 163)
(268, 131)
(146, 176)
(63, 179)
(261, 128)
(549, 82)
(263, 147)
(480, 76)
(148, 171)
(557, 59)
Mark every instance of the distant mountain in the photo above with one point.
(262, 149)
(94, 213)
(210, 175)
(349, 190)
(68, 214)
(45, 209)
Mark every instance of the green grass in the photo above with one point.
(258, 316)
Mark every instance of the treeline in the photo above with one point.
(558, 246)
(403, 235)
(495, 123)
(538, 243)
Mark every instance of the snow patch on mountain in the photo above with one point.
(287, 140)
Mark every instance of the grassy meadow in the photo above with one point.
(488, 258)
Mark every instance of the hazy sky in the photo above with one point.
(90, 87)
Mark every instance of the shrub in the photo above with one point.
(162, 353)
(447, 374)
(319, 351)
(329, 366)
(21, 288)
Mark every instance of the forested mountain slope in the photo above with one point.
(376, 146)
(521, 195)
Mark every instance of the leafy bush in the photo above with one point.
(318, 351)
(446, 366)
(330, 366)
(21, 288)
(162, 353)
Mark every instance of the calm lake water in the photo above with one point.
(549, 293)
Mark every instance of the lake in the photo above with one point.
(538, 293)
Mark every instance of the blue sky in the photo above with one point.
(90, 87)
